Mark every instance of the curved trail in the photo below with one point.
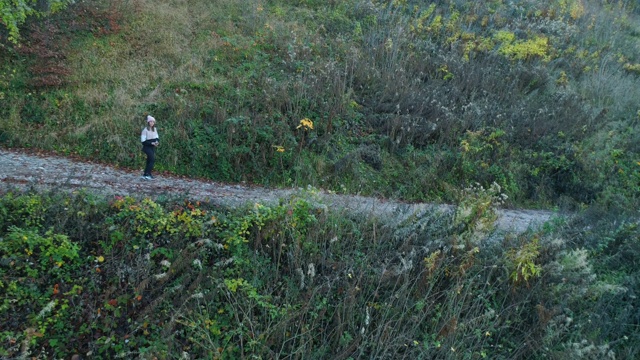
(20, 169)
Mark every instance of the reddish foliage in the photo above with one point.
(46, 43)
(100, 22)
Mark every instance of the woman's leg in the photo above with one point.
(151, 159)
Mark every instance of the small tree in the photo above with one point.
(14, 13)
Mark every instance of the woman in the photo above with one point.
(149, 138)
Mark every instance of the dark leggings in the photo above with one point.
(151, 158)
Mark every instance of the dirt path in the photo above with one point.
(23, 170)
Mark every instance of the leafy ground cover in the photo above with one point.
(120, 277)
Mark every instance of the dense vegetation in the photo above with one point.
(14, 13)
(406, 99)
(126, 278)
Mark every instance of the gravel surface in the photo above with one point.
(21, 169)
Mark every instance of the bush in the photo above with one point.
(161, 279)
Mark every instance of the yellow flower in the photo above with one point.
(306, 123)
(100, 258)
(278, 148)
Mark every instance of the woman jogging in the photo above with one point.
(149, 138)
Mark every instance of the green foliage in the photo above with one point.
(482, 156)
(14, 13)
(35, 270)
(51, 252)
(296, 279)
(523, 262)
(25, 211)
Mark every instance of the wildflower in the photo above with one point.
(311, 270)
(306, 123)
(197, 263)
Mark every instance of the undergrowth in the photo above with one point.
(120, 277)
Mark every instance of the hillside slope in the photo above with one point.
(398, 99)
